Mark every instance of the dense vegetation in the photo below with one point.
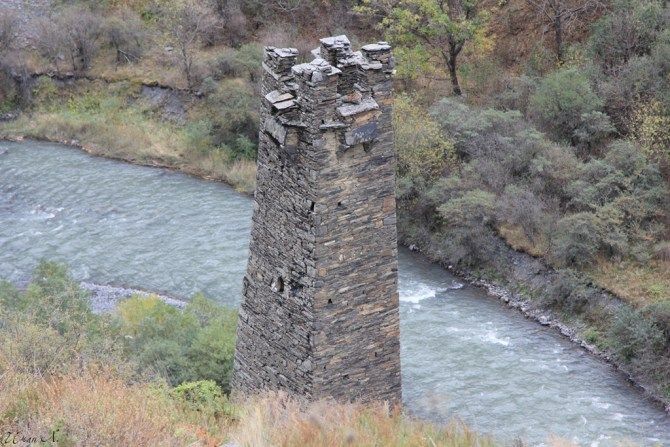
(150, 374)
(571, 166)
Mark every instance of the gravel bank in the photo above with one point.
(105, 298)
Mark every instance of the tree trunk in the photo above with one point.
(558, 35)
(453, 74)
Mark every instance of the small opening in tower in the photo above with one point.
(311, 207)
(277, 284)
(330, 301)
(376, 355)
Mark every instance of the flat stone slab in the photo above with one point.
(376, 47)
(276, 96)
(355, 109)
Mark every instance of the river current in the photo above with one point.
(464, 354)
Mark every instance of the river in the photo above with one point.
(464, 354)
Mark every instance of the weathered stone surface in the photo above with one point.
(354, 109)
(320, 311)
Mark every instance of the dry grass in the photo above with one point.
(639, 284)
(154, 68)
(98, 409)
(515, 238)
(275, 420)
(242, 174)
(95, 409)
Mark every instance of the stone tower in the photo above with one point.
(320, 311)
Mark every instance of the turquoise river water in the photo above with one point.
(464, 354)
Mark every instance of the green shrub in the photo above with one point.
(421, 147)
(561, 99)
(469, 219)
(519, 206)
(516, 94)
(593, 128)
(633, 335)
(55, 299)
(199, 136)
(628, 30)
(577, 239)
(244, 62)
(203, 395)
(659, 314)
(470, 128)
(231, 111)
(194, 344)
(45, 92)
(243, 147)
(569, 292)
(49, 327)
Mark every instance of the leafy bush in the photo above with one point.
(562, 99)
(49, 328)
(516, 93)
(569, 293)
(652, 130)
(634, 336)
(659, 314)
(204, 396)
(593, 128)
(244, 62)
(53, 299)
(194, 344)
(520, 207)
(470, 220)
(421, 147)
(231, 113)
(577, 240)
(629, 30)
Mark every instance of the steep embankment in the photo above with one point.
(144, 124)
(527, 284)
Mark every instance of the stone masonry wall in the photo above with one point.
(320, 311)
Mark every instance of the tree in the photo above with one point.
(422, 148)
(561, 15)
(290, 8)
(440, 27)
(74, 34)
(188, 21)
(83, 30)
(50, 40)
(8, 30)
(126, 34)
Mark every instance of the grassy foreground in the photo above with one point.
(151, 374)
(98, 409)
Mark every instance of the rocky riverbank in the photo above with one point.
(525, 272)
(105, 298)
